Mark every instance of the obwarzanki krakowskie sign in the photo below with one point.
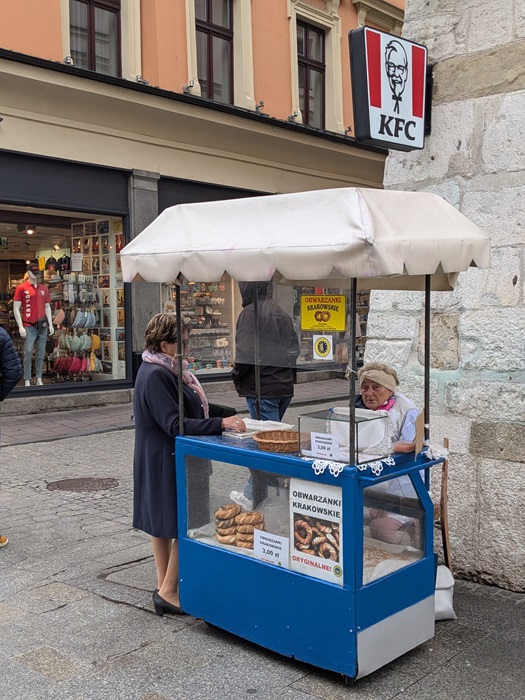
(388, 87)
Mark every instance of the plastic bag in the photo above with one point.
(276, 511)
(444, 594)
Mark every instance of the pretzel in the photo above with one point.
(248, 529)
(230, 510)
(303, 532)
(229, 522)
(225, 531)
(225, 539)
(250, 518)
(245, 545)
(243, 537)
(327, 551)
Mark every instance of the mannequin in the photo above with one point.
(32, 312)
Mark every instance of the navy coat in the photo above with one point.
(10, 365)
(156, 408)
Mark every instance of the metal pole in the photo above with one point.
(353, 368)
(179, 356)
(427, 356)
(257, 355)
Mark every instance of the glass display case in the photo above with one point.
(393, 527)
(326, 434)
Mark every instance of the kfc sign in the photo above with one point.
(388, 86)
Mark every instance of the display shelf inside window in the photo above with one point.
(208, 306)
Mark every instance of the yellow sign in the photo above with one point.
(322, 312)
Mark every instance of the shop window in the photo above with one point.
(325, 325)
(77, 273)
(209, 307)
(311, 67)
(214, 33)
(95, 35)
(317, 92)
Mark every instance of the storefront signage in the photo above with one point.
(322, 312)
(388, 87)
(273, 549)
(316, 517)
(323, 347)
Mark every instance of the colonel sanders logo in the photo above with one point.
(396, 64)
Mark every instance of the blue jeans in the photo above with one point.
(40, 337)
(271, 409)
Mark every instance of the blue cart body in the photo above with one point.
(352, 628)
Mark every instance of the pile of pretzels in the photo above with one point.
(235, 527)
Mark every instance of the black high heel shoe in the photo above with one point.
(162, 606)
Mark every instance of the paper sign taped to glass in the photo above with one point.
(316, 516)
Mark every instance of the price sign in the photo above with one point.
(76, 262)
(273, 549)
(325, 445)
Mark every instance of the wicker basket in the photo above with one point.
(277, 440)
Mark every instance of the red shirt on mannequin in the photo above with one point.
(34, 300)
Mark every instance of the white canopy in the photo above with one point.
(384, 238)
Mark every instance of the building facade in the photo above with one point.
(113, 110)
(474, 159)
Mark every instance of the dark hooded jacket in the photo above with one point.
(10, 366)
(278, 345)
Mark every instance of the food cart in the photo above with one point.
(304, 573)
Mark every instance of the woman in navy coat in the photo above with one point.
(156, 408)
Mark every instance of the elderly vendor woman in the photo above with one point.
(378, 389)
(378, 384)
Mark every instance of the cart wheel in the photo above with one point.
(348, 681)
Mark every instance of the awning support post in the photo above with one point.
(179, 356)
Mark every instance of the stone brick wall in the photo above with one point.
(475, 158)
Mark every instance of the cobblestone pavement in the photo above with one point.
(76, 620)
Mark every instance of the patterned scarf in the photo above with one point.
(170, 363)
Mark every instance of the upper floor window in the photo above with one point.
(311, 73)
(94, 27)
(214, 29)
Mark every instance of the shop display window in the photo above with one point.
(80, 277)
(209, 307)
(394, 527)
(322, 318)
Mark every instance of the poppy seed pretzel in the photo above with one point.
(225, 531)
(229, 522)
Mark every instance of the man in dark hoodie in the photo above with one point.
(10, 375)
(278, 353)
(278, 350)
